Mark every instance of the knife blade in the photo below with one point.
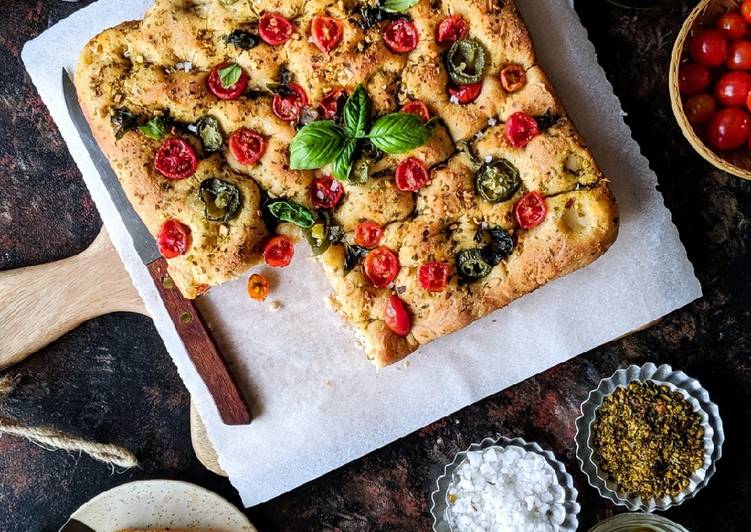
(188, 322)
(71, 525)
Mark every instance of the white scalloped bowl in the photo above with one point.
(692, 391)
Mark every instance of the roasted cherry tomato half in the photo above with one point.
(332, 103)
(709, 47)
(400, 36)
(739, 56)
(288, 106)
(732, 89)
(327, 32)
(513, 78)
(258, 287)
(451, 29)
(396, 316)
(729, 129)
(326, 192)
(278, 251)
(693, 78)
(700, 108)
(381, 266)
(247, 146)
(520, 129)
(433, 276)
(411, 175)
(418, 108)
(368, 234)
(732, 25)
(530, 210)
(275, 29)
(746, 10)
(174, 239)
(231, 92)
(464, 94)
(176, 159)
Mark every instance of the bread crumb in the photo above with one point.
(275, 306)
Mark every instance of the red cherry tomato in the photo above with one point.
(275, 29)
(396, 316)
(465, 94)
(288, 106)
(739, 56)
(513, 78)
(709, 47)
(433, 276)
(729, 129)
(278, 251)
(332, 103)
(326, 192)
(733, 88)
(530, 210)
(368, 234)
(226, 93)
(732, 25)
(411, 175)
(746, 10)
(401, 36)
(418, 108)
(748, 102)
(327, 32)
(247, 146)
(176, 159)
(700, 108)
(174, 239)
(693, 78)
(381, 266)
(520, 129)
(451, 29)
(258, 287)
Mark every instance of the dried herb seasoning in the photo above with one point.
(648, 440)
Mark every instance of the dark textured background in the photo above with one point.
(105, 382)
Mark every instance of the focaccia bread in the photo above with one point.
(213, 111)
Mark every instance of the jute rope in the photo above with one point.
(53, 439)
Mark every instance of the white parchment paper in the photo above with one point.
(318, 403)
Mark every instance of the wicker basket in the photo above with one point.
(737, 162)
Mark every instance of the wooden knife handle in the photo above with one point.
(211, 366)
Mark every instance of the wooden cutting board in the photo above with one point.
(54, 298)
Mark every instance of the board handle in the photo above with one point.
(211, 366)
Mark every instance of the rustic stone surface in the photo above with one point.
(104, 382)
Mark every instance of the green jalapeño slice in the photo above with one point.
(497, 180)
(465, 62)
(221, 200)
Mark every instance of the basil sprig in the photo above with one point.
(289, 211)
(155, 128)
(397, 6)
(230, 75)
(322, 142)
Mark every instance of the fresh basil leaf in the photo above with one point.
(221, 199)
(342, 165)
(399, 133)
(153, 129)
(357, 113)
(230, 75)
(352, 254)
(210, 132)
(316, 145)
(397, 6)
(289, 211)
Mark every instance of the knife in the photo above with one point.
(190, 326)
(71, 525)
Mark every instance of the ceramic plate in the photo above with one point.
(161, 503)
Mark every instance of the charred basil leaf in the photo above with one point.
(546, 121)
(497, 180)
(500, 246)
(370, 16)
(155, 128)
(221, 199)
(471, 265)
(352, 254)
(289, 211)
(244, 40)
(465, 61)
(285, 75)
(210, 132)
(122, 120)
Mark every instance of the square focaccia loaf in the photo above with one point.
(196, 107)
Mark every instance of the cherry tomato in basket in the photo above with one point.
(732, 89)
(732, 25)
(729, 129)
(513, 78)
(381, 266)
(433, 276)
(739, 56)
(451, 29)
(278, 251)
(693, 78)
(327, 32)
(520, 129)
(258, 287)
(746, 10)
(396, 316)
(418, 108)
(411, 175)
(530, 211)
(400, 36)
(174, 239)
(176, 159)
(368, 234)
(326, 192)
(275, 29)
(288, 106)
(700, 108)
(247, 146)
(709, 47)
(332, 103)
(230, 92)
(465, 94)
